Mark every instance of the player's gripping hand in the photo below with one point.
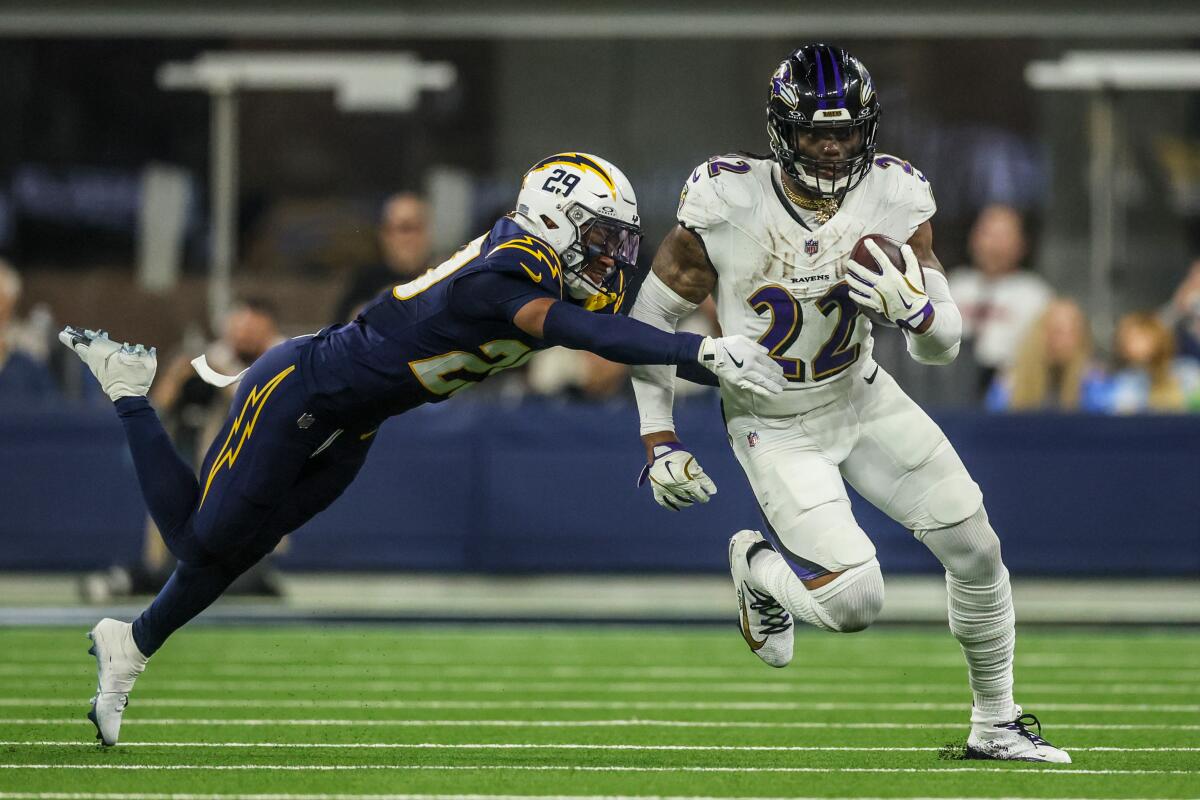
(898, 296)
(676, 478)
(744, 363)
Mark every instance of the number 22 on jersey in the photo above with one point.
(787, 321)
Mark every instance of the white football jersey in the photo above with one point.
(782, 283)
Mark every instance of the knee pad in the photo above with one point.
(851, 601)
(954, 499)
(824, 536)
(937, 494)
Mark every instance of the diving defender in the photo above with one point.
(778, 231)
(552, 272)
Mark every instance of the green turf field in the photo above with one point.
(580, 711)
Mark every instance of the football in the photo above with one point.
(890, 248)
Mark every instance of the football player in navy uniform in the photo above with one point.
(306, 412)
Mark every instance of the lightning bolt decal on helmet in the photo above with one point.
(585, 208)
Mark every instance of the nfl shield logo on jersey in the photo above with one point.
(811, 246)
(752, 438)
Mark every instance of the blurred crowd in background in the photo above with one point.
(1027, 345)
(108, 198)
(334, 207)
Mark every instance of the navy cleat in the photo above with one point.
(1014, 741)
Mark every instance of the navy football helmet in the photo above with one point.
(820, 89)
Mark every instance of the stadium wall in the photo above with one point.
(549, 486)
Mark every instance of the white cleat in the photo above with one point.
(1013, 741)
(766, 626)
(118, 665)
(123, 370)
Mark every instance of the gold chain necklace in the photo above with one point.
(823, 208)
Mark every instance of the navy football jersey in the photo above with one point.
(434, 336)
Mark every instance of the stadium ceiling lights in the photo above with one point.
(361, 82)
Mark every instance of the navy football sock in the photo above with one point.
(190, 590)
(168, 484)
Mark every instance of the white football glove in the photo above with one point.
(124, 370)
(676, 477)
(744, 363)
(899, 296)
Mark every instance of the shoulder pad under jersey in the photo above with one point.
(714, 187)
(910, 187)
(528, 258)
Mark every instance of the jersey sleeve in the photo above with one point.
(922, 206)
(492, 296)
(527, 259)
(699, 201)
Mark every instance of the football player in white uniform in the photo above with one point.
(771, 238)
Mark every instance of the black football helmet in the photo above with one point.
(819, 88)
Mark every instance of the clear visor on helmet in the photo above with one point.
(608, 237)
(607, 245)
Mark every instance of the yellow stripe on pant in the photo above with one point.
(255, 401)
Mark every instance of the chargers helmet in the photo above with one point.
(585, 208)
(821, 88)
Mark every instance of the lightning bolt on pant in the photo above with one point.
(278, 461)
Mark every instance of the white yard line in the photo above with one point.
(79, 719)
(1080, 661)
(181, 796)
(655, 687)
(1045, 770)
(1105, 708)
(701, 748)
(85, 666)
(485, 746)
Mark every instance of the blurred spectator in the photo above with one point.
(22, 377)
(997, 299)
(192, 412)
(1149, 378)
(1054, 368)
(578, 375)
(404, 246)
(1182, 314)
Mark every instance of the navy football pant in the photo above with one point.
(277, 462)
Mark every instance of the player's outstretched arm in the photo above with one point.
(736, 359)
(493, 295)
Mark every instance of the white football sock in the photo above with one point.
(848, 603)
(981, 611)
